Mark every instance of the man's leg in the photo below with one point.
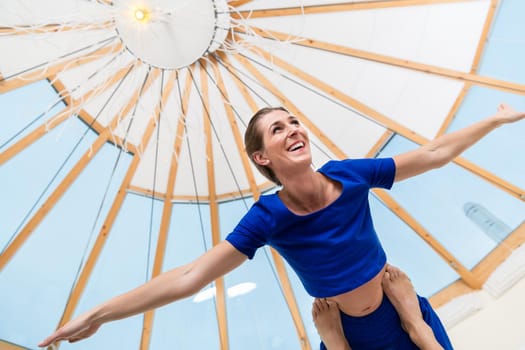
(401, 293)
(327, 320)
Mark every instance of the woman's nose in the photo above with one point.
(292, 131)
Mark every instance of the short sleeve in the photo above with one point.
(377, 172)
(251, 232)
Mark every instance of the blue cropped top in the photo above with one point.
(333, 250)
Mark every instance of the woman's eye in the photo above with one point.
(276, 129)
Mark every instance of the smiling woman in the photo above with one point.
(116, 166)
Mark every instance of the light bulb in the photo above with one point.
(141, 15)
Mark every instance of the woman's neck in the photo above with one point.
(307, 192)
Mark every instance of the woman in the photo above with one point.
(320, 222)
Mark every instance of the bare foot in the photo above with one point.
(401, 293)
(327, 320)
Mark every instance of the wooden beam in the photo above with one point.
(279, 264)
(292, 107)
(500, 253)
(147, 327)
(473, 69)
(224, 197)
(483, 269)
(237, 3)
(60, 117)
(280, 267)
(50, 202)
(454, 290)
(339, 7)
(220, 296)
(5, 345)
(378, 146)
(484, 35)
(42, 73)
(277, 259)
(387, 122)
(452, 113)
(470, 279)
(235, 128)
(52, 28)
(393, 61)
(164, 225)
(83, 278)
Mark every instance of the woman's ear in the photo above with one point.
(259, 158)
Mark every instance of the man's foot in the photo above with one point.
(401, 293)
(327, 320)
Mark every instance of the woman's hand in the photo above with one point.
(72, 331)
(507, 114)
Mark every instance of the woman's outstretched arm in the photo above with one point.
(169, 286)
(444, 149)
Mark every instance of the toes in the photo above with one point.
(316, 308)
(386, 277)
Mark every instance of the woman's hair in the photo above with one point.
(253, 141)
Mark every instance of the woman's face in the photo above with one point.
(285, 141)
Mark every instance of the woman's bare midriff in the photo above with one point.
(364, 299)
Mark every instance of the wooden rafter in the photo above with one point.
(381, 142)
(484, 268)
(83, 278)
(52, 28)
(74, 105)
(4, 345)
(164, 225)
(484, 35)
(221, 198)
(277, 259)
(466, 275)
(220, 296)
(292, 107)
(393, 61)
(237, 3)
(454, 109)
(147, 327)
(474, 68)
(50, 202)
(41, 73)
(388, 122)
(339, 7)
(234, 127)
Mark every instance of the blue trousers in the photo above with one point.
(382, 329)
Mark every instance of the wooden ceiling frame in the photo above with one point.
(235, 128)
(277, 259)
(464, 273)
(474, 68)
(338, 7)
(392, 61)
(222, 198)
(73, 106)
(220, 295)
(292, 107)
(5, 345)
(387, 122)
(52, 28)
(42, 73)
(50, 202)
(484, 268)
(237, 3)
(160, 252)
(111, 216)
